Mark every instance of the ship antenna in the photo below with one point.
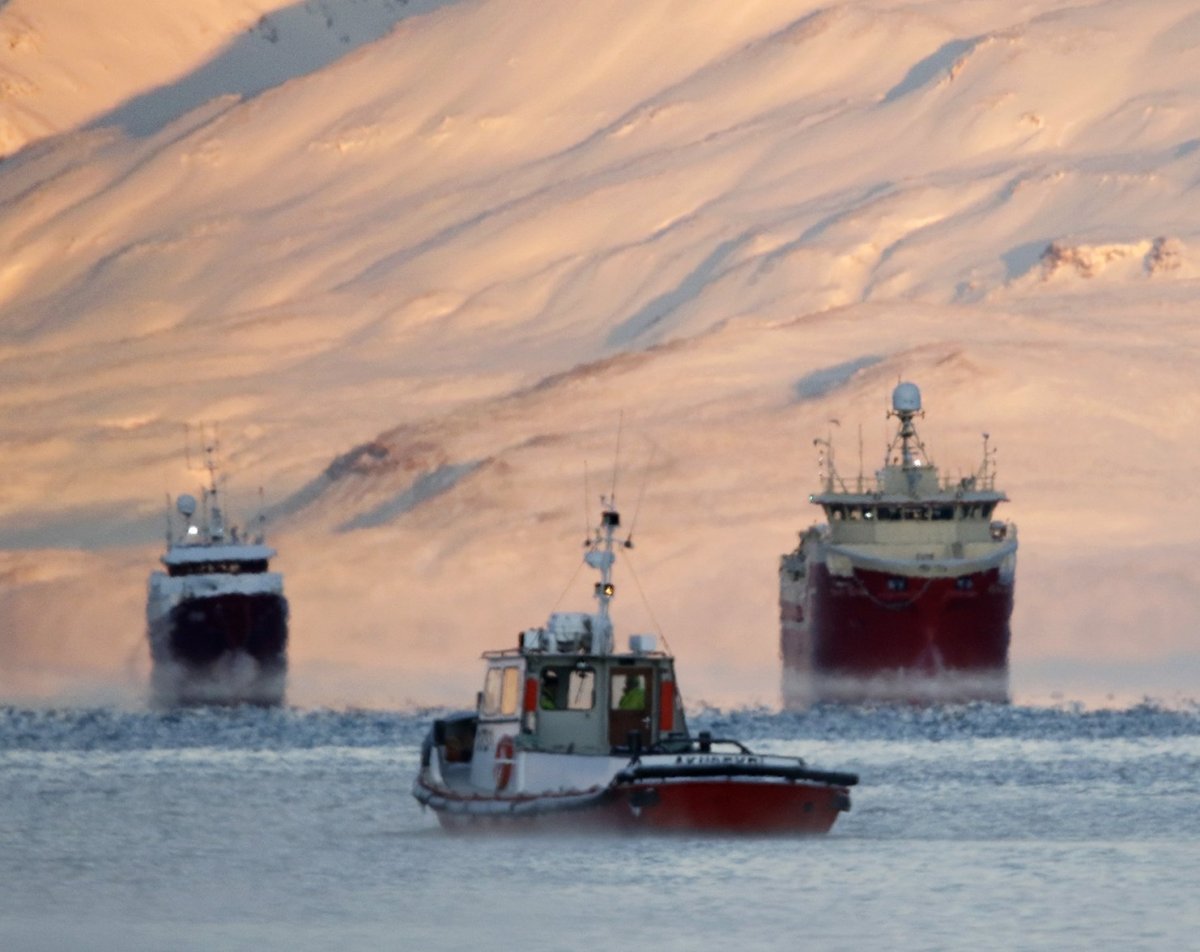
(825, 464)
(617, 456)
(824, 474)
(641, 495)
(860, 458)
(986, 471)
(262, 518)
(587, 507)
(212, 447)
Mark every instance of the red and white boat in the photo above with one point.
(570, 733)
(905, 593)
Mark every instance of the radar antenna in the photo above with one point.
(906, 404)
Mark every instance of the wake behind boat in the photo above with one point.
(569, 732)
(217, 617)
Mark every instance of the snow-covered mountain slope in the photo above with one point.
(471, 244)
(139, 63)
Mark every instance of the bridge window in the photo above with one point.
(568, 688)
(500, 690)
(228, 567)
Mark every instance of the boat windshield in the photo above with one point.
(568, 688)
(500, 691)
(222, 567)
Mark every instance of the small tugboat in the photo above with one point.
(217, 618)
(570, 733)
(905, 594)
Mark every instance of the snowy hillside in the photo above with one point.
(419, 259)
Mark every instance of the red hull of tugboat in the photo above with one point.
(941, 638)
(718, 806)
(725, 806)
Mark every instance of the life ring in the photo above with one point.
(503, 767)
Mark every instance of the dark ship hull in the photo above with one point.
(221, 649)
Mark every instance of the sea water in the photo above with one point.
(975, 827)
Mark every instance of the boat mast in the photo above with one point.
(601, 557)
(216, 524)
(212, 520)
(906, 404)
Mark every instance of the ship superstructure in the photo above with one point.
(906, 591)
(217, 618)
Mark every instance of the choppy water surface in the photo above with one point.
(981, 827)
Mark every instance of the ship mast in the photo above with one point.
(216, 520)
(601, 557)
(906, 404)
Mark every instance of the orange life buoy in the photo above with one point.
(502, 769)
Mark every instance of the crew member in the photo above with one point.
(549, 696)
(633, 697)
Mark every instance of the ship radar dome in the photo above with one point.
(906, 398)
(186, 505)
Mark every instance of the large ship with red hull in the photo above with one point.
(905, 593)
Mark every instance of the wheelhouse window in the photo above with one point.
(977, 511)
(223, 567)
(500, 691)
(842, 512)
(568, 688)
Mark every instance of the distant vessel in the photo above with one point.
(217, 618)
(570, 733)
(905, 593)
